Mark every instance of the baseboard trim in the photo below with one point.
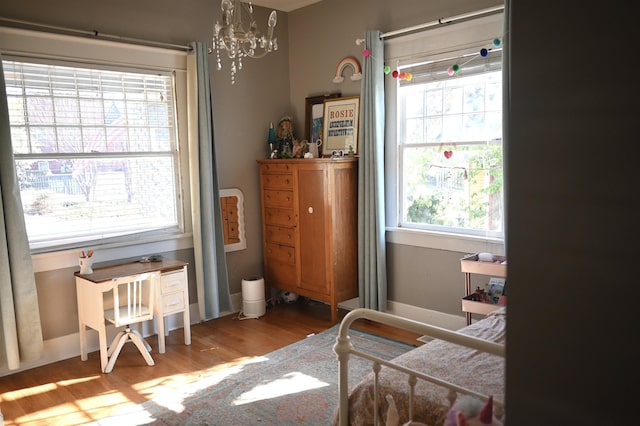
(440, 319)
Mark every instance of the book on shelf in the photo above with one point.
(495, 289)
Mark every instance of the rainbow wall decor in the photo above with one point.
(347, 62)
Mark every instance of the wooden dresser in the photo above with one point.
(310, 227)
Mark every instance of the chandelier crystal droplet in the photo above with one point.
(231, 37)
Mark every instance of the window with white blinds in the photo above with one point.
(96, 151)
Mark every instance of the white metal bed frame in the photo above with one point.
(344, 349)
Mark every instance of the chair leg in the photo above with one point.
(123, 337)
(112, 347)
(140, 343)
(118, 347)
(146, 344)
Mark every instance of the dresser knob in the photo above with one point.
(310, 210)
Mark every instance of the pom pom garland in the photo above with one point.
(451, 71)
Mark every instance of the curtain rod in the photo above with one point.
(94, 33)
(441, 21)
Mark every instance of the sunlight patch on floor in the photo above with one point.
(290, 383)
(206, 378)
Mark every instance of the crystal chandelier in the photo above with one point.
(231, 36)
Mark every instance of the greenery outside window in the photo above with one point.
(443, 155)
(450, 143)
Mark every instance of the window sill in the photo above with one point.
(442, 241)
(105, 253)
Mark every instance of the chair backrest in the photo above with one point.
(133, 299)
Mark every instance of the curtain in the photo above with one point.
(20, 330)
(372, 266)
(210, 261)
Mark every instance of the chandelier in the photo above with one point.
(238, 42)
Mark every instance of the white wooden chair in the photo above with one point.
(133, 299)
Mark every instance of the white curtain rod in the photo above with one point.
(94, 34)
(441, 21)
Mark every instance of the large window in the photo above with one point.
(95, 150)
(450, 142)
(95, 138)
(444, 130)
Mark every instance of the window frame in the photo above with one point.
(435, 44)
(36, 46)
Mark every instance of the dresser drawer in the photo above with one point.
(173, 281)
(280, 235)
(173, 302)
(280, 253)
(277, 181)
(274, 198)
(276, 167)
(282, 217)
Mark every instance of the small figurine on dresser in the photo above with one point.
(273, 142)
(300, 148)
(285, 137)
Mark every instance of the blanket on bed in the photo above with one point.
(466, 367)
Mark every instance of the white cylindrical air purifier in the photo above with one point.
(253, 303)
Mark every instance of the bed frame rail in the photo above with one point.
(344, 349)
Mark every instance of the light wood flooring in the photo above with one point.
(73, 392)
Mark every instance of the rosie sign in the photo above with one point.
(340, 129)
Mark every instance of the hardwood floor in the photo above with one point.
(73, 392)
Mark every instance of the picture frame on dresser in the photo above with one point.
(314, 110)
(340, 125)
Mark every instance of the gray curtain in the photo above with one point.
(211, 264)
(20, 330)
(372, 266)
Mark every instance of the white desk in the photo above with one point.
(172, 296)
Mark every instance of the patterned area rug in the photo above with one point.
(297, 384)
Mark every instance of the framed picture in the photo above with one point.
(340, 125)
(314, 110)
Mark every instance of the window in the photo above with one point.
(445, 165)
(96, 148)
(450, 143)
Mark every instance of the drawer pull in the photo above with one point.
(310, 210)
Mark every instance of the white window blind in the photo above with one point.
(95, 150)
